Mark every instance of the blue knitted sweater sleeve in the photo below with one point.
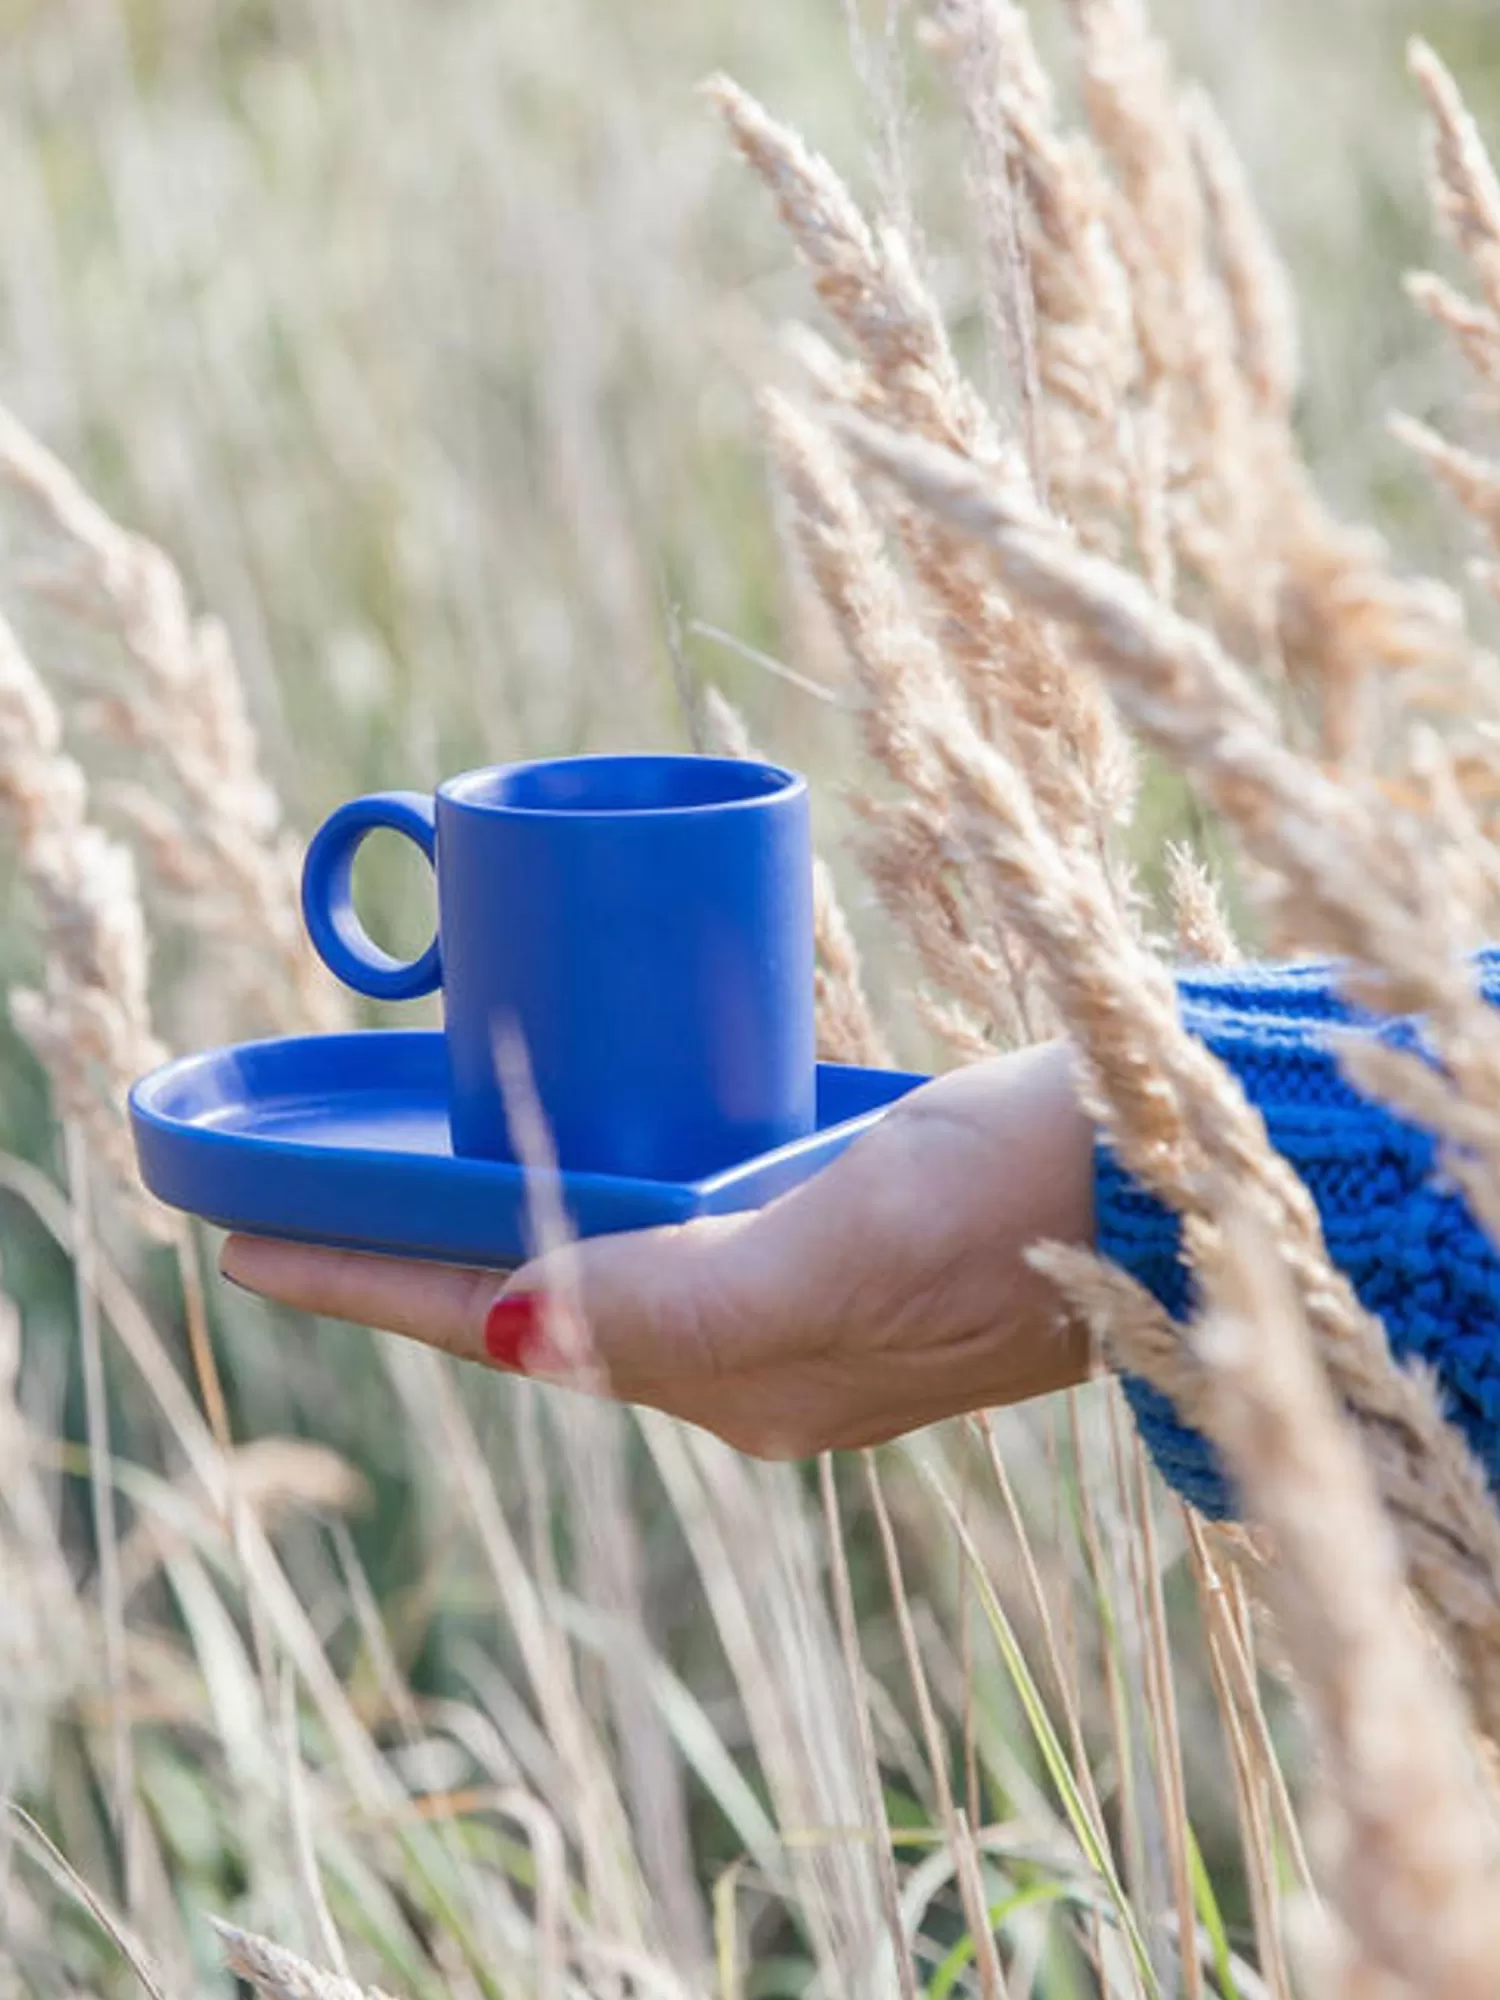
(1404, 1238)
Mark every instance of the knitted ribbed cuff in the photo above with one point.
(1139, 1233)
(1404, 1237)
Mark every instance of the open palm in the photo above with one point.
(883, 1294)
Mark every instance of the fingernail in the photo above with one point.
(232, 1277)
(511, 1328)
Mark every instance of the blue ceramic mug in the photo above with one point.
(644, 922)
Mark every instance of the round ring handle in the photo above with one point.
(338, 936)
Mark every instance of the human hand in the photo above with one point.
(888, 1291)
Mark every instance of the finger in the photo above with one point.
(630, 1309)
(441, 1304)
(633, 1312)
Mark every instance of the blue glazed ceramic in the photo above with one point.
(644, 922)
(344, 1140)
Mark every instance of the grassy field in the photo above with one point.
(424, 337)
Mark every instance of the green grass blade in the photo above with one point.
(1209, 1915)
(1047, 1740)
(947, 1975)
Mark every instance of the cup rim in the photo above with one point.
(457, 790)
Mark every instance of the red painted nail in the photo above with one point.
(511, 1329)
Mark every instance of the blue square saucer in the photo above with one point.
(343, 1140)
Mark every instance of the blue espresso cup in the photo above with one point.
(644, 923)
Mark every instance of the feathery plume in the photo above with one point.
(1007, 665)
(90, 1022)
(1262, 308)
(1474, 328)
(1080, 304)
(1292, 588)
(1472, 479)
(1465, 189)
(1344, 872)
(847, 1029)
(1204, 933)
(900, 674)
(866, 277)
(1360, 877)
(1410, 1840)
(1182, 321)
(1465, 194)
(275, 1973)
(222, 844)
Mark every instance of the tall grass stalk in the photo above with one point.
(551, 1698)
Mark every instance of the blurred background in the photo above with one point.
(424, 335)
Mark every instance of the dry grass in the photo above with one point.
(278, 1974)
(1410, 1834)
(90, 1023)
(211, 836)
(588, 1705)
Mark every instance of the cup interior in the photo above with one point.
(620, 785)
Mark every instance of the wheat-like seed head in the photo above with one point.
(1204, 933)
(90, 1024)
(1007, 664)
(866, 278)
(1158, 221)
(847, 1028)
(42, 1620)
(1127, 1326)
(1465, 194)
(1354, 875)
(1263, 310)
(1290, 586)
(1412, 1838)
(1472, 478)
(1084, 332)
(1465, 188)
(219, 842)
(1362, 879)
(907, 844)
(1474, 328)
(275, 1973)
